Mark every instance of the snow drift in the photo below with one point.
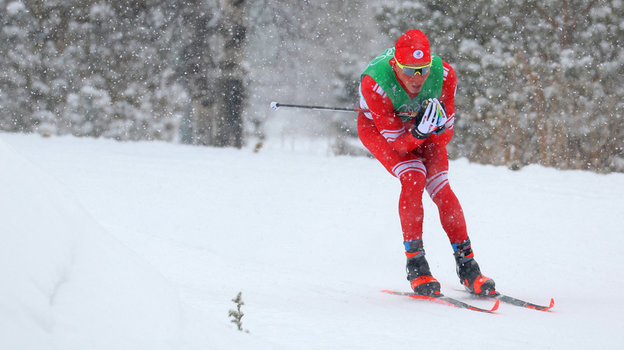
(66, 282)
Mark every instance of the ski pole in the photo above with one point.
(275, 106)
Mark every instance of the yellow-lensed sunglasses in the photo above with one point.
(413, 71)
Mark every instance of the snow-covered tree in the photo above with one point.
(539, 81)
(89, 68)
(231, 82)
(22, 83)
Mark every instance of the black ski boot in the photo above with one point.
(469, 272)
(418, 272)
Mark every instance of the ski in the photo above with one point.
(518, 302)
(446, 301)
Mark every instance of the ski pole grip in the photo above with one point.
(274, 106)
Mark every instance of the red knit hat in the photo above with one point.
(412, 49)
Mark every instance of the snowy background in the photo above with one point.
(539, 82)
(109, 245)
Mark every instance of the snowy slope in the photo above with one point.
(68, 281)
(143, 245)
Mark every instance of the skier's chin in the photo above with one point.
(415, 89)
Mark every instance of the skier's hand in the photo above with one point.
(442, 128)
(431, 116)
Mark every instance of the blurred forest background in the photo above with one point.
(539, 82)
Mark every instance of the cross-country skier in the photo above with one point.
(409, 78)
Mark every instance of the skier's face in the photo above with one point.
(412, 84)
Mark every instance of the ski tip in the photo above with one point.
(491, 311)
(546, 308)
(542, 308)
(551, 305)
(496, 305)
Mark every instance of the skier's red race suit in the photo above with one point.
(418, 164)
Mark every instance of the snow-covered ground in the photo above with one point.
(110, 245)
